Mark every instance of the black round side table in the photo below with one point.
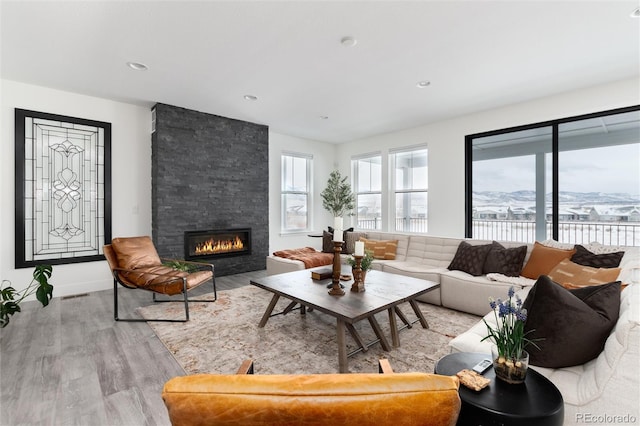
(536, 402)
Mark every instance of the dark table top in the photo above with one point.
(382, 291)
(537, 398)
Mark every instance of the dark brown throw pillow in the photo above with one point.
(327, 240)
(506, 261)
(572, 325)
(469, 258)
(584, 257)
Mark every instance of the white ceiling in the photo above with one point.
(207, 55)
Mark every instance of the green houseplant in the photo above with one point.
(10, 299)
(337, 197)
(366, 262)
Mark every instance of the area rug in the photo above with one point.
(222, 334)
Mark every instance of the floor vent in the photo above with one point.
(75, 296)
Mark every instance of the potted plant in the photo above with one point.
(510, 359)
(10, 299)
(337, 197)
(365, 263)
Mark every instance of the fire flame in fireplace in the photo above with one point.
(212, 246)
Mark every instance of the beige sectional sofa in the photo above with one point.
(605, 390)
(428, 257)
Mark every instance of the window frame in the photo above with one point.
(355, 184)
(308, 193)
(393, 191)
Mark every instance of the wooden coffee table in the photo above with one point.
(384, 291)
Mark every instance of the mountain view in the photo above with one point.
(567, 199)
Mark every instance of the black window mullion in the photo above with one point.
(555, 190)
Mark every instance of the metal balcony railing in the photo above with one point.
(573, 232)
(403, 224)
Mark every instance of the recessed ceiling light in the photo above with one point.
(422, 84)
(137, 66)
(250, 98)
(348, 41)
(635, 13)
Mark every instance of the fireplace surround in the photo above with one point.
(209, 172)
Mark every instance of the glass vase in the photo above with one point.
(510, 370)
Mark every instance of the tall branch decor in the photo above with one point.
(337, 197)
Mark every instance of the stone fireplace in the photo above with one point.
(210, 173)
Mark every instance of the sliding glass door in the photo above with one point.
(576, 180)
(599, 180)
(511, 184)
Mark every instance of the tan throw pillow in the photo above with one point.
(570, 275)
(543, 259)
(135, 252)
(382, 249)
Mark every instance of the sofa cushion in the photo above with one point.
(437, 252)
(414, 269)
(569, 326)
(382, 249)
(585, 257)
(571, 275)
(470, 258)
(543, 259)
(506, 261)
(464, 292)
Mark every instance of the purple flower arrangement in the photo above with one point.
(508, 335)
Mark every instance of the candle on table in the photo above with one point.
(359, 248)
(337, 229)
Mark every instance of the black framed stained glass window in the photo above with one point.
(62, 188)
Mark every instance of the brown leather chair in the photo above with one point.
(135, 264)
(315, 399)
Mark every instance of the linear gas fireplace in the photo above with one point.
(217, 243)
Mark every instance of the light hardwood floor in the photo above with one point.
(71, 364)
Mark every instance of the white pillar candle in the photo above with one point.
(359, 248)
(337, 229)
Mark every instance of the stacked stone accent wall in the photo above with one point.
(209, 172)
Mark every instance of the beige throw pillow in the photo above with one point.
(570, 275)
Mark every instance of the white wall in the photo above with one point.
(131, 165)
(323, 163)
(445, 141)
(131, 177)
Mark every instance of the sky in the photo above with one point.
(610, 169)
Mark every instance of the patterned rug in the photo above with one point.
(222, 334)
